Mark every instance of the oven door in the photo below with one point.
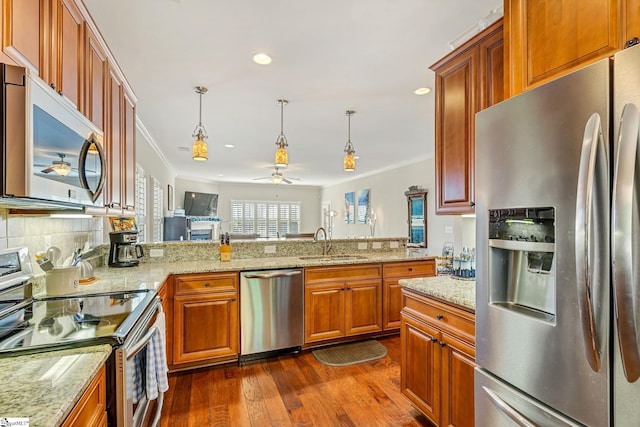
(67, 159)
(133, 405)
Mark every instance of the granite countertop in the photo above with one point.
(152, 275)
(44, 387)
(446, 288)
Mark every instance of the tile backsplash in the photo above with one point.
(32, 231)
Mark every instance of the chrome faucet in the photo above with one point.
(327, 244)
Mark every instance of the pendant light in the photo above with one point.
(282, 157)
(349, 162)
(199, 149)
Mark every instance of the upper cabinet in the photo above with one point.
(23, 31)
(66, 55)
(467, 80)
(548, 38)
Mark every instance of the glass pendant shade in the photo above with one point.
(199, 150)
(282, 156)
(349, 161)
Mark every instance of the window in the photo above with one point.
(158, 210)
(141, 203)
(267, 219)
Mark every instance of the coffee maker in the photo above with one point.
(124, 252)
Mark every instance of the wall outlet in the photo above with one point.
(47, 242)
(154, 253)
(376, 245)
(393, 245)
(448, 229)
(270, 249)
(362, 246)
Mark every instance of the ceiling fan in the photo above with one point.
(60, 167)
(277, 177)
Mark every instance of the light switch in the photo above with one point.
(270, 249)
(448, 229)
(377, 245)
(393, 245)
(362, 246)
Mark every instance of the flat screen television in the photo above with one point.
(200, 204)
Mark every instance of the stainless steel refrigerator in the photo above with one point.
(558, 252)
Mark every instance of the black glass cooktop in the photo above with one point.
(72, 321)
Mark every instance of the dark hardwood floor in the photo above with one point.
(292, 390)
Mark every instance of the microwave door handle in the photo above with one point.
(507, 409)
(623, 230)
(591, 217)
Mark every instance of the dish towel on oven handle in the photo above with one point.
(156, 378)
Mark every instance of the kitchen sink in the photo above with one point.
(332, 257)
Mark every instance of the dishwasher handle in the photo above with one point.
(272, 275)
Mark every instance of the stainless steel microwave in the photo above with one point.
(52, 156)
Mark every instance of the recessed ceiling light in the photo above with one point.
(262, 59)
(422, 91)
(229, 145)
(184, 149)
(220, 174)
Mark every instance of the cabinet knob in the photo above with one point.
(206, 284)
(442, 344)
(472, 204)
(434, 339)
(631, 42)
(439, 316)
(410, 269)
(53, 86)
(60, 92)
(233, 299)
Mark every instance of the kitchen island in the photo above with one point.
(45, 387)
(438, 348)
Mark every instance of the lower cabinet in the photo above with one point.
(438, 351)
(205, 319)
(392, 272)
(91, 409)
(342, 301)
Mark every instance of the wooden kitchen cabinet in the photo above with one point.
(91, 409)
(95, 80)
(23, 27)
(342, 301)
(392, 272)
(205, 319)
(437, 359)
(65, 57)
(129, 152)
(467, 80)
(547, 39)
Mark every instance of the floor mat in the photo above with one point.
(350, 354)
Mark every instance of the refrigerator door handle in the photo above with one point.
(624, 229)
(592, 207)
(509, 411)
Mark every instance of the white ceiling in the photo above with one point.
(328, 56)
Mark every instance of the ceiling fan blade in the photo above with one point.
(47, 170)
(286, 180)
(264, 177)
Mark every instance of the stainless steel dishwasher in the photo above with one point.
(271, 312)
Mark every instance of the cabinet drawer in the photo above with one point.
(410, 269)
(198, 283)
(341, 273)
(457, 322)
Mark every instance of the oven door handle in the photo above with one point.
(130, 352)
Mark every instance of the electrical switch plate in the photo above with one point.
(448, 229)
(270, 249)
(393, 245)
(362, 246)
(377, 245)
(153, 253)
(47, 242)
